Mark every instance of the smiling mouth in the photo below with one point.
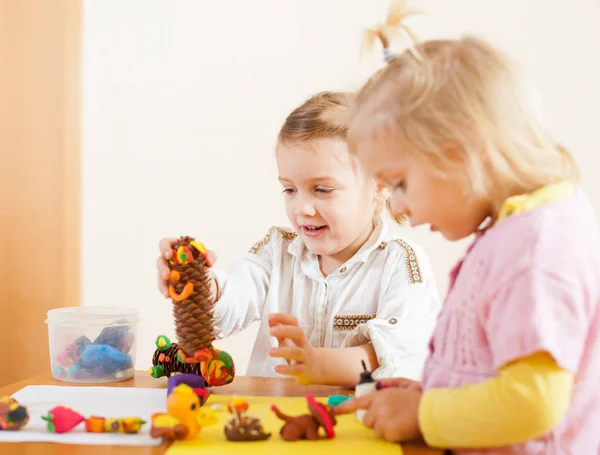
(313, 231)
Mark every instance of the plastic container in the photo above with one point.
(92, 344)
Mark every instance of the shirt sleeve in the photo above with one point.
(405, 319)
(527, 399)
(242, 288)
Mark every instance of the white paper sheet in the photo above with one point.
(98, 401)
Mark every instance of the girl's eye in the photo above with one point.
(323, 190)
(288, 190)
(400, 185)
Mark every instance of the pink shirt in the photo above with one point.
(530, 283)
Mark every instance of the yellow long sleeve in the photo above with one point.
(526, 400)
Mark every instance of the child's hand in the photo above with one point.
(402, 383)
(301, 357)
(393, 413)
(278, 319)
(166, 252)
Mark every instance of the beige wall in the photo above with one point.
(39, 175)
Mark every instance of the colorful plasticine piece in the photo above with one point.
(62, 419)
(241, 427)
(216, 366)
(167, 427)
(128, 425)
(105, 357)
(184, 418)
(336, 400)
(13, 416)
(83, 359)
(238, 406)
(118, 337)
(190, 291)
(72, 353)
(165, 362)
(307, 426)
(196, 382)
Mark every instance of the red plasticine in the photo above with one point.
(62, 419)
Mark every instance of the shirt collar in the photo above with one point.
(525, 202)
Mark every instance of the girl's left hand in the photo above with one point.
(301, 357)
(393, 413)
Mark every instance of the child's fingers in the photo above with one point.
(353, 404)
(286, 343)
(291, 370)
(163, 273)
(379, 430)
(211, 258)
(274, 320)
(162, 286)
(163, 268)
(370, 420)
(294, 333)
(292, 353)
(165, 247)
(281, 341)
(398, 382)
(282, 319)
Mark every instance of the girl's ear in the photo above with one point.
(383, 193)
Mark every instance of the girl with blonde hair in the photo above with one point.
(514, 362)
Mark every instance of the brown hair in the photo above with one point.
(307, 123)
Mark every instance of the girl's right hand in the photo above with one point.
(402, 383)
(165, 247)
